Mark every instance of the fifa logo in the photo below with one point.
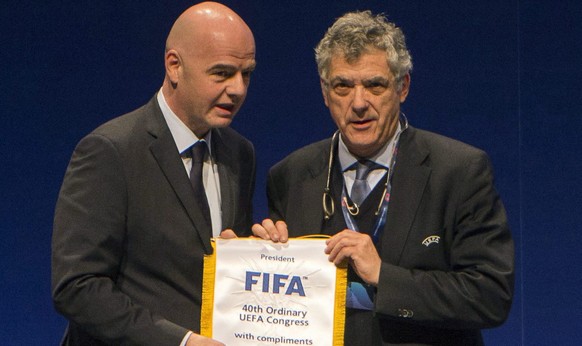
(274, 283)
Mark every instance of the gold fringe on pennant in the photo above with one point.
(341, 288)
(208, 292)
(313, 236)
(339, 311)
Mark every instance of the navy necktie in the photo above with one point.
(361, 189)
(198, 152)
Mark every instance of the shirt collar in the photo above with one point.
(382, 158)
(183, 136)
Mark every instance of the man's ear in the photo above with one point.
(405, 87)
(324, 91)
(173, 63)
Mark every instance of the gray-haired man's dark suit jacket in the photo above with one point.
(447, 253)
(128, 241)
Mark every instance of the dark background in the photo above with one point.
(504, 76)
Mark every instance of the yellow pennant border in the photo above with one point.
(206, 315)
(208, 282)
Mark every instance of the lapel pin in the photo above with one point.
(433, 239)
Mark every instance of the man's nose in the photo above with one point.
(237, 85)
(360, 102)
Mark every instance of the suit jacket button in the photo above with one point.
(405, 313)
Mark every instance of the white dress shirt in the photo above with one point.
(382, 158)
(185, 138)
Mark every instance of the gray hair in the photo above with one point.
(354, 34)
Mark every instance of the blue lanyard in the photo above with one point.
(382, 212)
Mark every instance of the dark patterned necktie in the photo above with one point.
(198, 152)
(361, 189)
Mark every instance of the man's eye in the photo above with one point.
(222, 74)
(341, 88)
(376, 88)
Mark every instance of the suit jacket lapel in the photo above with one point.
(408, 184)
(164, 150)
(311, 207)
(228, 179)
(312, 192)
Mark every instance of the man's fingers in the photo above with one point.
(269, 226)
(359, 250)
(267, 229)
(341, 247)
(228, 234)
(344, 238)
(282, 231)
(260, 231)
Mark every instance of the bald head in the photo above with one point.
(210, 54)
(203, 23)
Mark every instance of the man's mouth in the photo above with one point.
(361, 122)
(226, 107)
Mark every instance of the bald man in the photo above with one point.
(134, 217)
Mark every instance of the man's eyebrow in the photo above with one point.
(223, 67)
(376, 79)
(230, 68)
(340, 79)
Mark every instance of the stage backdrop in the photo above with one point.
(504, 76)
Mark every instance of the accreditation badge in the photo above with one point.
(257, 292)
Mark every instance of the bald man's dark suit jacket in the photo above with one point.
(128, 241)
(447, 253)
